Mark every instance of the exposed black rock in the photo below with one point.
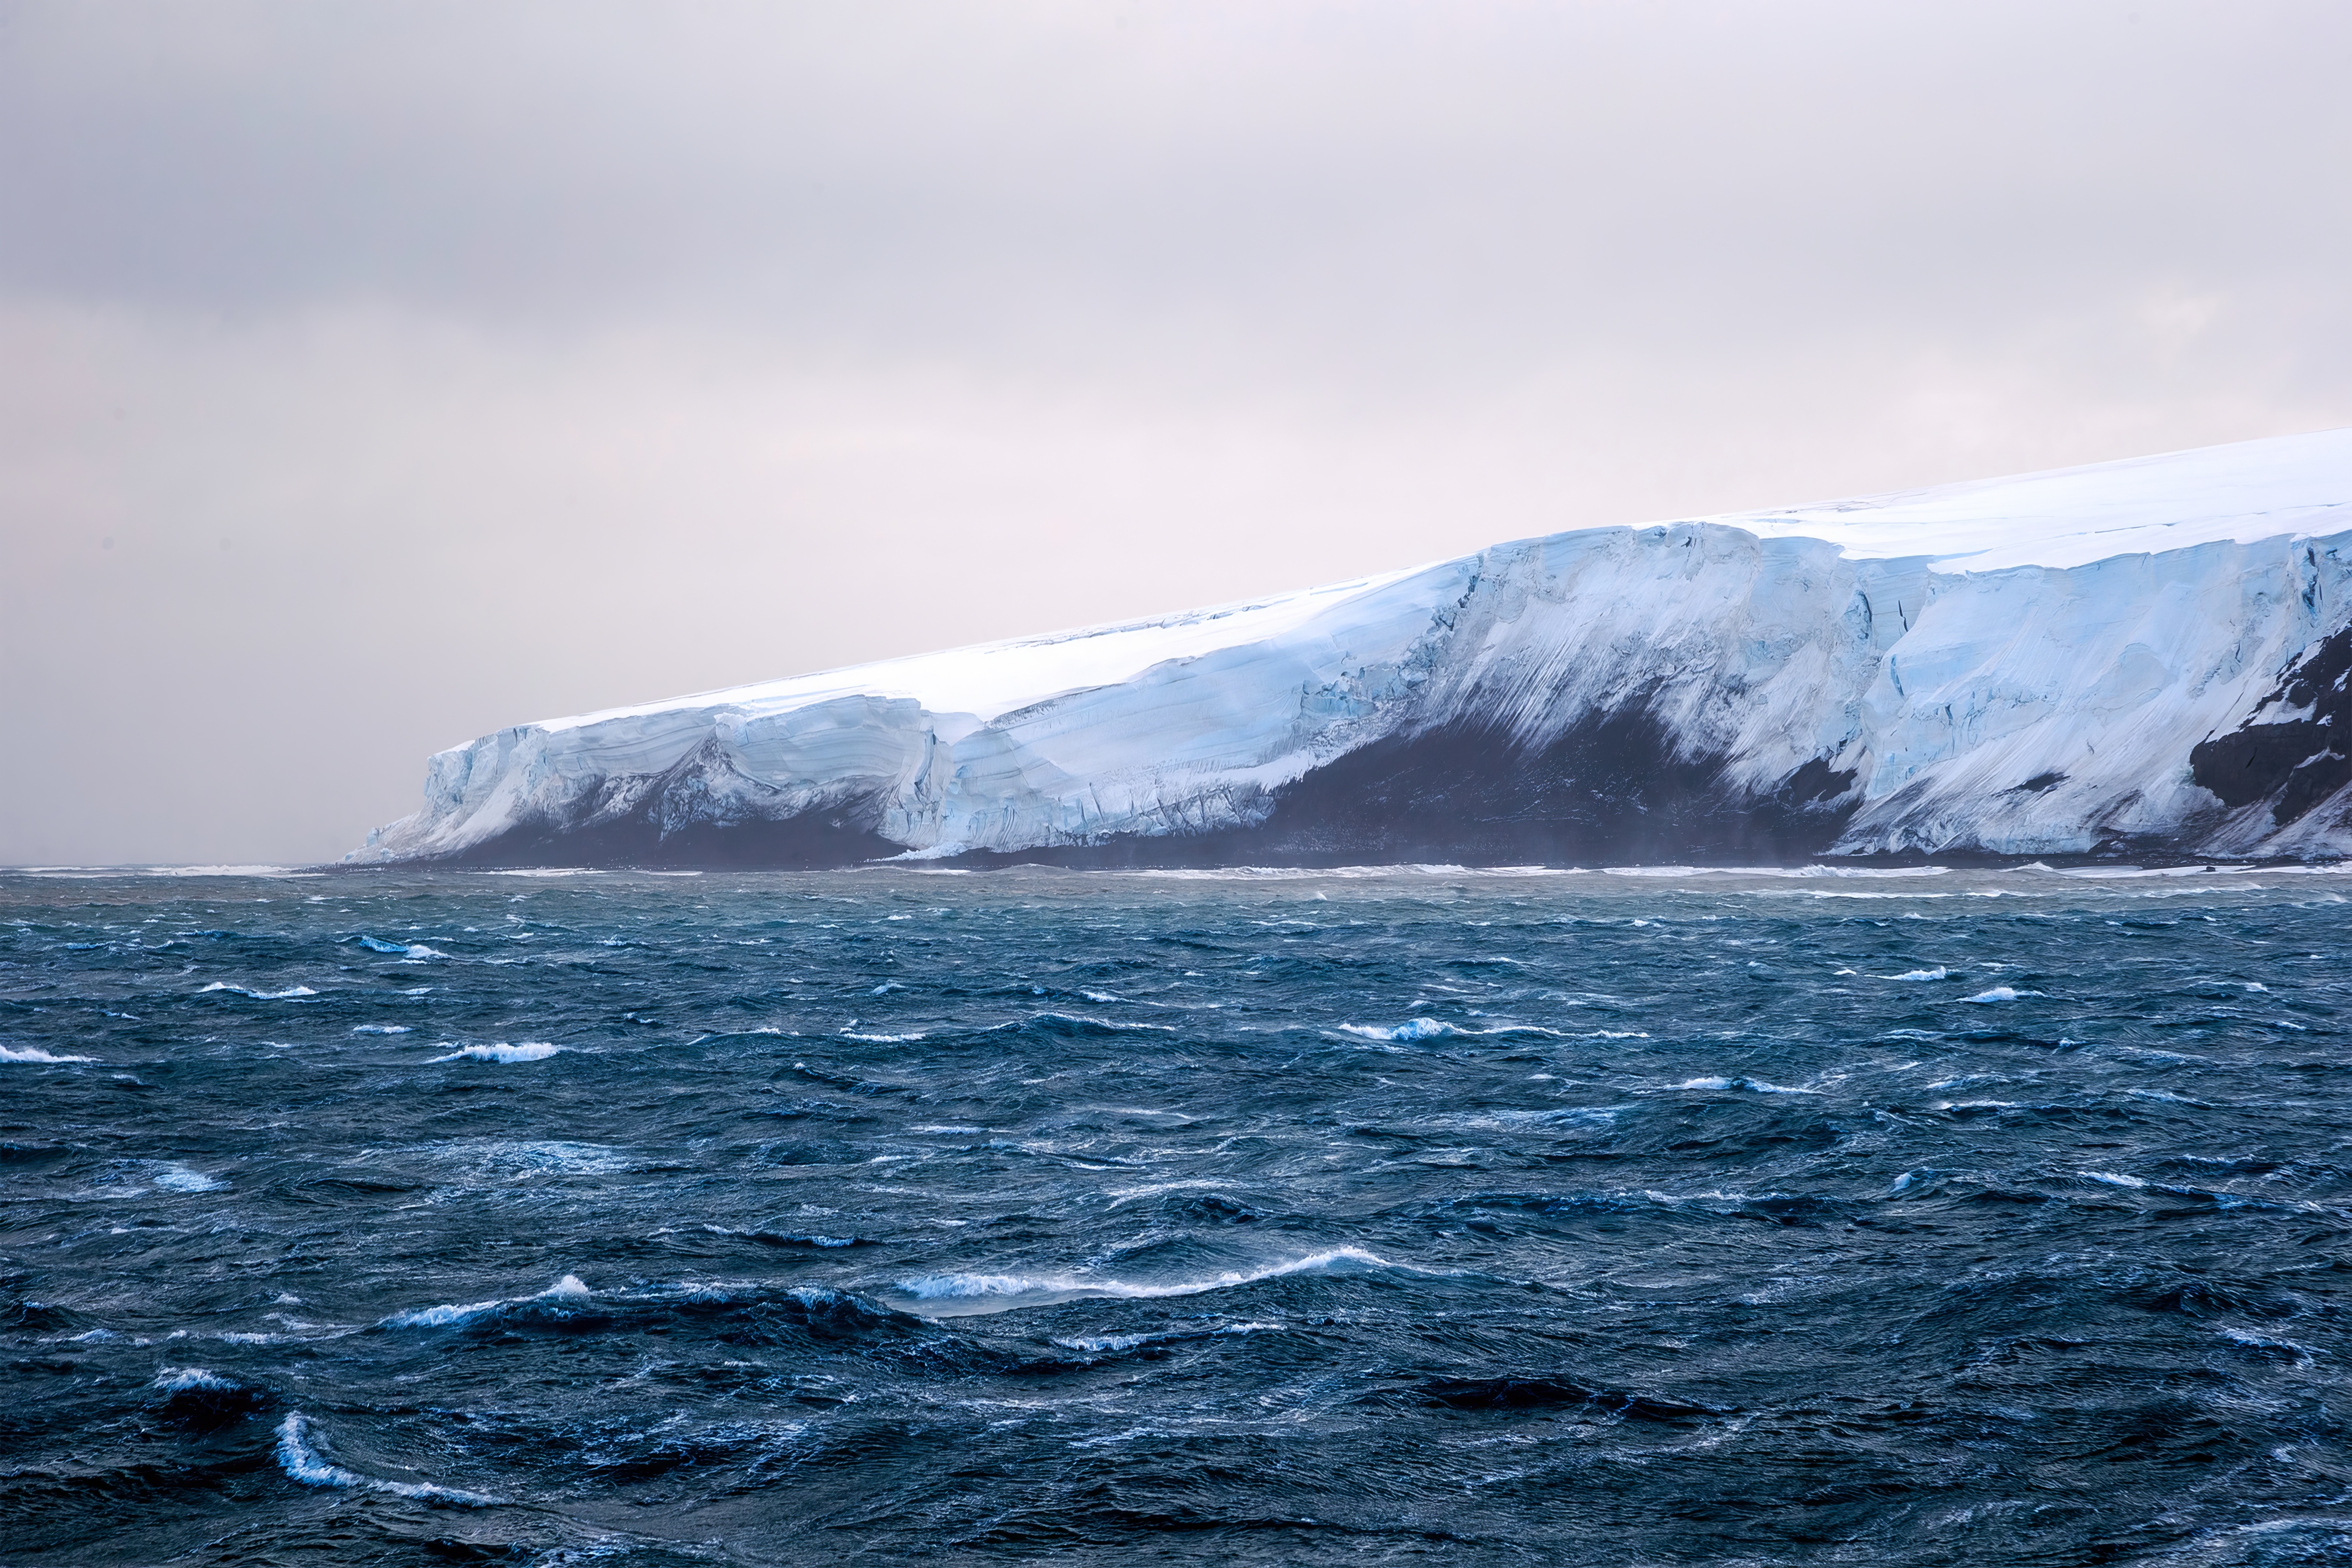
(1613, 789)
(812, 841)
(2297, 763)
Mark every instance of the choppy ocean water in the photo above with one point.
(1958, 1217)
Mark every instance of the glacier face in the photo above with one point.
(2147, 656)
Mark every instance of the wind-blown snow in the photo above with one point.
(2019, 664)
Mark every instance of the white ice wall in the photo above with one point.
(1927, 642)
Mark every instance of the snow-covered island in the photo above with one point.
(2147, 656)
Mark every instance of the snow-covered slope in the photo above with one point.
(2149, 655)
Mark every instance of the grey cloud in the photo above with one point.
(536, 357)
(1393, 183)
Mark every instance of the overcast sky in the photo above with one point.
(374, 376)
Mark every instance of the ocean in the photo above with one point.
(1421, 1215)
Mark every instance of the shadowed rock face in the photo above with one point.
(2296, 764)
(812, 841)
(1610, 790)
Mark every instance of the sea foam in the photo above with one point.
(302, 1461)
(527, 1051)
(1413, 1029)
(189, 1379)
(958, 1295)
(1747, 1085)
(568, 1288)
(416, 950)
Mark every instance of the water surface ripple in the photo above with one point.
(1959, 1217)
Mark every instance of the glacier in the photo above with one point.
(2146, 658)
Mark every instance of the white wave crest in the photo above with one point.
(2000, 993)
(180, 1179)
(259, 995)
(527, 1051)
(960, 1295)
(35, 1053)
(1506, 1120)
(1939, 973)
(1151, 1190)
(1413, 1029)
(303, 1462)
(1748, 1085)
(379, 1028)
(416, 951)
(568, 1288)
(2254, 1340)
(1092, 1022)
(1129, 1341)
(183, 1379)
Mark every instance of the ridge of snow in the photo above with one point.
(988, 679)
(2241, 493)
(2291, 485)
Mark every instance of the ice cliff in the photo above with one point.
(2145, 656)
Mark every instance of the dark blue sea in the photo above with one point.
(1952, 1216)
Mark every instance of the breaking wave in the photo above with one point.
(958, 1295)
(1413, 1029)
(35, 1053)
(300, 1459)
(527, 1051)
(405, 948)
(1742, 1085)
(565, 1292)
